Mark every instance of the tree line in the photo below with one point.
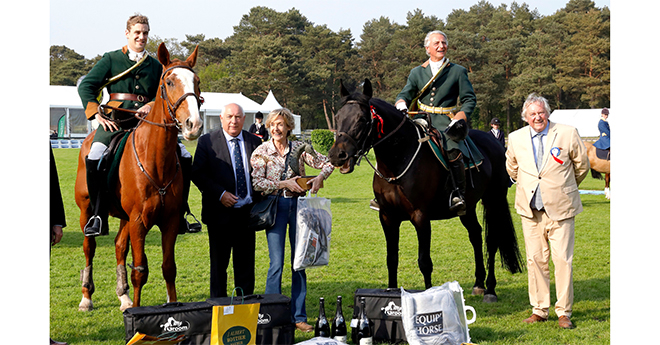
(509, 51)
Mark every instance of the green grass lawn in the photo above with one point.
(357, 261)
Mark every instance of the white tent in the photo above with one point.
(65, 102)
(585, 120)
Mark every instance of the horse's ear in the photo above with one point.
(163, 54)
(193, 57)
(342, 90)
(366, 89)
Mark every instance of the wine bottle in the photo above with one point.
(322, 328)
(339, 324)
(365, 332)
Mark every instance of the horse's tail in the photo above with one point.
(595, 174)
(499, 229)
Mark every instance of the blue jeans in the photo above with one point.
(286, 215)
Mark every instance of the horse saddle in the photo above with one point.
(435, 139)
(603, 154)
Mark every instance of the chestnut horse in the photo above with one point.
(598, 166)
(150, 183)
(410, 185)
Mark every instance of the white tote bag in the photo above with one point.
(313, 227)
(436, 316)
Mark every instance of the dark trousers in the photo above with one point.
(231, 233)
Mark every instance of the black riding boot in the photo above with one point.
(184, 225)
(96, 182)
(457, 172)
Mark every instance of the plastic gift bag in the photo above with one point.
(313, 227)
(234, 324)
(436, 316)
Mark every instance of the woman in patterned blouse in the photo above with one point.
(268, 163)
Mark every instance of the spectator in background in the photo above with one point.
(603, 142)
(258, 128)
(496, 131)
(548, 160)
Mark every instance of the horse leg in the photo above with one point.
(86, 275)
(423, 228)
(140, 266)
(607, 186)
(121, 251)
(168, 240)
(391, 230)
(474, 229)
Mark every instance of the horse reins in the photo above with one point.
(362, 152)
(171, 108)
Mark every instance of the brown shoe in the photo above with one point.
(304, 327)
(565, 322)
(534, 319)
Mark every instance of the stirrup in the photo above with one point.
(373, 204)
(457, 203)
(193, 227)
(93, 227)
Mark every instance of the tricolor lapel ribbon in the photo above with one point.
(379, 121)
(554, 152)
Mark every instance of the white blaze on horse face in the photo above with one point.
(192, 127)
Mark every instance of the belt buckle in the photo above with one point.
(285, 194)
(141, 98)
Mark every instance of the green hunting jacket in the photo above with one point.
(451, 85)
(141, 81)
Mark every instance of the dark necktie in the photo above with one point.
(241, 184)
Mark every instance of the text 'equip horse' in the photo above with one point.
(410, 184)
(150, 183)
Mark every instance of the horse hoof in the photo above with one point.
(85, 305)
(126, 302)
(478, 291)
(490, 298)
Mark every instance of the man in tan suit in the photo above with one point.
(548, 161)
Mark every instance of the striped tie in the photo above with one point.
(538, 201)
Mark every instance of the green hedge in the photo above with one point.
(322, 140)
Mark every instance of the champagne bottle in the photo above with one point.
(365, 332)
(322, 328)
(339, 324)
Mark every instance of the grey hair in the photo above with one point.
(531, 99)
(427, 39)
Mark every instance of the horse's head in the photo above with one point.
(354, 128)
(179, 88)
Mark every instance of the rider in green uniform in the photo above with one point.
(135, 90)
(449, 83)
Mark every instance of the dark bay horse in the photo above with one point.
(598, 166)
(410, 184)
(150, 183)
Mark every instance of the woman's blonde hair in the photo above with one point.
(286, 114)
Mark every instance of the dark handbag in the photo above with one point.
(264, 212)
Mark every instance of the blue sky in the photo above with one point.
(93, 27)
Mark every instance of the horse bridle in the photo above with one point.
(362, 151)
(172, 108)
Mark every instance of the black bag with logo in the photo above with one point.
(170, 320)
(383, 308)
(275, 324)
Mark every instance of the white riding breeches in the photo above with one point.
(96, 151)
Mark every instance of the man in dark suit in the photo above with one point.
(222, 172)
(258, 128)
